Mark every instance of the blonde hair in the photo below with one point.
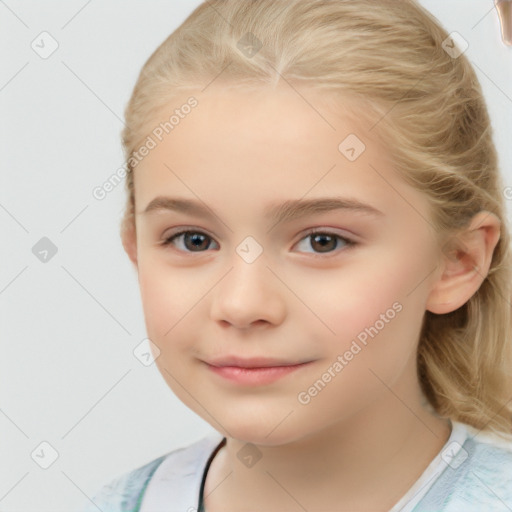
(428, 107)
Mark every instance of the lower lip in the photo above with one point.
(255, 376)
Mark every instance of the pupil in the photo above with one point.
(195, 238)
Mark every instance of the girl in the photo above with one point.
(371, 374)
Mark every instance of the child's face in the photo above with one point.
(353, 313)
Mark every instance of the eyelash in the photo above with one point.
(349, 242)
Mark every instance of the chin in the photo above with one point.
(263, 432)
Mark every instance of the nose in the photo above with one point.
(249, 295)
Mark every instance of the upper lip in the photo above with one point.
(252, 362)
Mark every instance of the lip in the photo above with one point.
(251, 362)
(254, 371)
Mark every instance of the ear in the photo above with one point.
(129, 239)
(465, 262)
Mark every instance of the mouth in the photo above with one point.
(254, 371)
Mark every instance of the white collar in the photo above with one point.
(175, 485)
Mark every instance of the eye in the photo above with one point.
(321, 241)
(190, 240)
(325, 241)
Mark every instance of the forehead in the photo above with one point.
(265, 145)
(284, 116)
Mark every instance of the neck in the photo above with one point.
(366, 462)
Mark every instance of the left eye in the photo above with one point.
(323, 241)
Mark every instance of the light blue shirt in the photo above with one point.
(471, 473)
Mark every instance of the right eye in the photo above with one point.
(188, 240)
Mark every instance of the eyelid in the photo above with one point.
(182, 229)
(309, 231)
(332, 231)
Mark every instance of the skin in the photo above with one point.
(361, 442)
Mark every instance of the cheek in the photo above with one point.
(157, 302)
(347, 301)
(164, 300)
(379, 307)
(172, 302)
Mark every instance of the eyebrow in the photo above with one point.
(280, 212)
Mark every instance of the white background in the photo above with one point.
(68, 327)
